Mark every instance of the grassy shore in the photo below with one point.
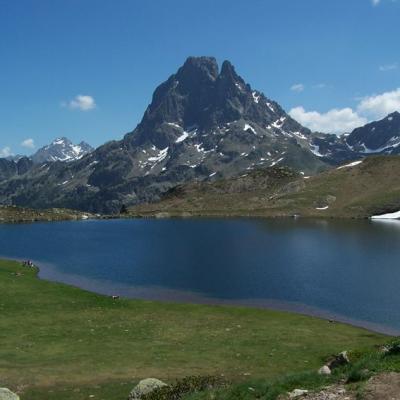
(60, 342)
(13, 214)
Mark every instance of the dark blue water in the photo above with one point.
(344, 269)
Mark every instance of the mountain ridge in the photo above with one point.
(376, 137)
(203, 123)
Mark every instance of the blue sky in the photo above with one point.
(334, 64)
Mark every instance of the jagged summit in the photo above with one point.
(206, 67)
(202, 97)
(61, 149)
(228, 71)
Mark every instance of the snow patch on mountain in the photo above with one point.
(352, 164)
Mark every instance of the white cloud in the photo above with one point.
(388, 67)
(5, 152)
(378, 106)
(82, 103)
(346, 119)
(28, 143)
(298, 87)
(377, 2)
(334, 121)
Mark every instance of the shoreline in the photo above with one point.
(164, 295)
(161, 215)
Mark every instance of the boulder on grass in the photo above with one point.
(298, 393)
(144, 387)
(324, 370)
(7, 394)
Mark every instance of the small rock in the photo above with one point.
(297, 393)
(7, 394)
(144, 387)
(324, 370)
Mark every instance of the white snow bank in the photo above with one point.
(174, 124)
(247, 126)
(182, 137)
(270, 107)
(276, 162)
(160, 156)
(315, 150)
(256, 97)
(353, 164)
(395, 215)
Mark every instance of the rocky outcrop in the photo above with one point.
(338, 360)
(145, 387)
(14, 168)
(7, 394)
(334, 362)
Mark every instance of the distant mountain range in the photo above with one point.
(61, 149)
(380, 137)
(203, 123)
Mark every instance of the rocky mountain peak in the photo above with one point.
(228, 70)
(395, 114)
(199, 68)
(376, 137)
(61, 149)
(201, 97)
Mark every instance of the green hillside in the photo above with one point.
(359, 191)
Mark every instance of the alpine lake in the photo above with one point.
(346, 270)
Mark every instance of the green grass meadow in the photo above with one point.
(60, 342)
